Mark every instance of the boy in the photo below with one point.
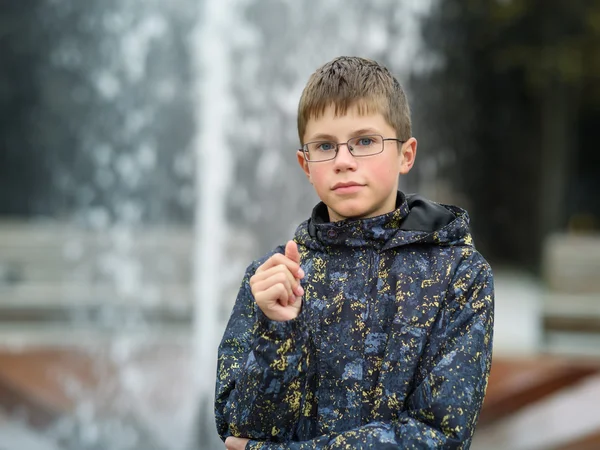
(373, 327)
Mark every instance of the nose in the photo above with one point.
(344, 160)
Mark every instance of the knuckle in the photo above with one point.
(281, 289)
(281, 277)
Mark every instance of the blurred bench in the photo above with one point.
(571, 305)
(52, 274)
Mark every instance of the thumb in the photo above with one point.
(291, 251)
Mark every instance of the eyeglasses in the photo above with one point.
(360, 146)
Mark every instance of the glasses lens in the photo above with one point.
(366, 145)
(320, 151)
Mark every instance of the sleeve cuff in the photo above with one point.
(281, 330)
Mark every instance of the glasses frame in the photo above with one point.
(304, 148)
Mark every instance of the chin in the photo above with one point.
(352, 213)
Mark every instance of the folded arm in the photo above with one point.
(259, 374)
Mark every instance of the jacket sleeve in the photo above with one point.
(259, 370)
(442, 411)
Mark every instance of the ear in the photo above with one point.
(408, 153)
(303, 163)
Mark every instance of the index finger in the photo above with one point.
(278, 259)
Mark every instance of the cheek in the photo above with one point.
(318, 177)
(385, 171)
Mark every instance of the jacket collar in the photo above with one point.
(374, 231)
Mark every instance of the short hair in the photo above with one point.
(349, 81)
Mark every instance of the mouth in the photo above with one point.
(347, 188)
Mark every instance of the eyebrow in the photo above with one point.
(360, 132)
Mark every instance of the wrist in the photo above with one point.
(280, 329)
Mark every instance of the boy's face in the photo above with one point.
(376, 176)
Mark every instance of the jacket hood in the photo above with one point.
(415, 220)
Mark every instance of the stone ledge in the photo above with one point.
(23, 335)
(571, 263)
(75, 295)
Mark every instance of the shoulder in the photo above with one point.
(472, 283)
(471, 263)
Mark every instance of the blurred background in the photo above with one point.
(147, 156)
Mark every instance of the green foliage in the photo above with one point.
(516, 74)
(550, 41)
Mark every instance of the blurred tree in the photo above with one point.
(116, 113)
(22, 178)
(97, 116)
(518, 80)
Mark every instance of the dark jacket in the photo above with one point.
(392, 348)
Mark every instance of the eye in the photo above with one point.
(325, 146)
(364, 141)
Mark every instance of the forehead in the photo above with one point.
(344, 124)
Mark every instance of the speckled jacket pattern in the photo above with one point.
(392, 348)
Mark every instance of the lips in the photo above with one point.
(349, 188)
(346, 185)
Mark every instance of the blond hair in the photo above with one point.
(348, 81)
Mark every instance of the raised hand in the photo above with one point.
(276, 285)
